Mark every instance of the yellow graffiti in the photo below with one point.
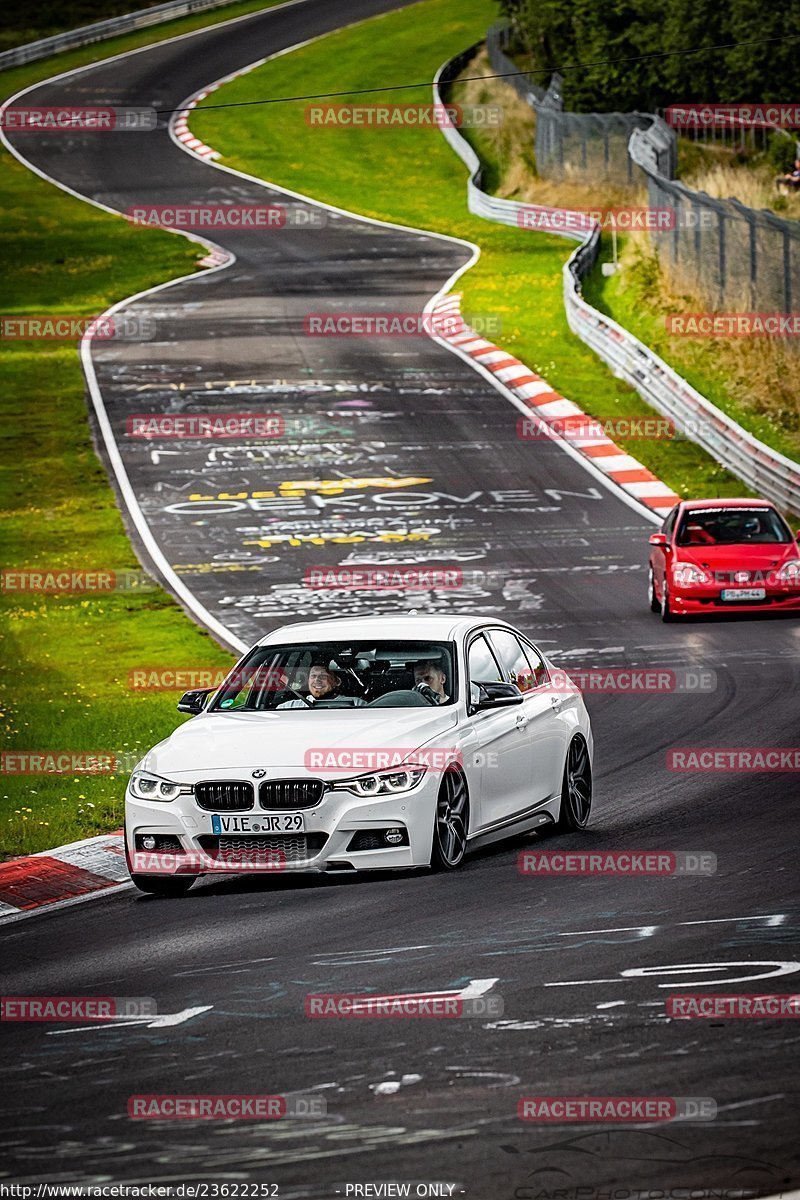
(323, 539)
(328, 487)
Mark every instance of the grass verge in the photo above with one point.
(15, 78)
(66, 660)
(751, 380)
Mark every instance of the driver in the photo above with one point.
(431, 677)
(323, 684)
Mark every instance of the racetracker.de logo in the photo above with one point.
(75, 119)
(380, 323)
(580, 426)
(738, 1007)
(731, 116)
(62, 583)
(231, 857)
(631, 680)
(627, 219)
(239, 217)
(205, 425)
(75, 1008)
(221, 1107)
(59, 327)
(58, 762)
(617, 862)
(441, 1006)
(186, 679)
(734, 759)
(735, 324)
(388, 578)
(404, 116)
(358, 761)
(614, 1110)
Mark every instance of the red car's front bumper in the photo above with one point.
(707, 600)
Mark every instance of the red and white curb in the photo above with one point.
(536, 393)
(183, 133)
(549, 406)
(63, 876)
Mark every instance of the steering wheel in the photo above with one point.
(402, 698)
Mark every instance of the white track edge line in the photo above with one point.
(614, 488)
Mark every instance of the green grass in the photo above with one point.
(65, 659)
(29, 24)
(631, 298)
(411, 176)
(15, 78)
(64, 681)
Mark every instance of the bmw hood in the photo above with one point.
(291, 739)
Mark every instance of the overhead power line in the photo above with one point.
(427, 83)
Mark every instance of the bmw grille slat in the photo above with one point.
(290, 848)
(290, 793)
(224, 796)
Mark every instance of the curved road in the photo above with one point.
(568, 556)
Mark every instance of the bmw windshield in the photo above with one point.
(344, 674)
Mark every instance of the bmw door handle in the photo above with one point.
(522, 721)
(556, 702)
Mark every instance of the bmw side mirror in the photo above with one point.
(194, 702)
(658, 539)
(497, 695)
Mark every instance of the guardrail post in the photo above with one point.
(787, 271)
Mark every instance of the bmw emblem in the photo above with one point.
(259, 774)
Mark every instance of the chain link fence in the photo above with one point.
(763, 469)
(584, 147)
(740, 259)
(734, 257)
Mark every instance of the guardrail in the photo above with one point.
(763, 469)
(99, 30)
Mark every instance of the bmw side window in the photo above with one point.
(483, 666)
(512, 657)
(538, 669)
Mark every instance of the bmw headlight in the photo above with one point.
(145, 786)
(383, 783)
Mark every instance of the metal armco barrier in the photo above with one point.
(763, 469)
(100, 30)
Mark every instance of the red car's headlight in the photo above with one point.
(789, 572)
(687, 574)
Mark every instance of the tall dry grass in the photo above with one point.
(758, 374)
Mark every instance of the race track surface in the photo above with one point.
(447, 482)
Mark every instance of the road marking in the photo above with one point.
(771, 919)
(162, 1021)
(784, 967)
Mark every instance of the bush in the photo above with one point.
(781, 153)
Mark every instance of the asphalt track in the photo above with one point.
(575, 959)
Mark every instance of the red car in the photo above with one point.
(714, 556)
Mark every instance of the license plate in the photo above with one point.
(743, 593)
(287, 822)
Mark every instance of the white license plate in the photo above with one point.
(255, 823)
(743, 593)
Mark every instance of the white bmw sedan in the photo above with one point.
(362, 744)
